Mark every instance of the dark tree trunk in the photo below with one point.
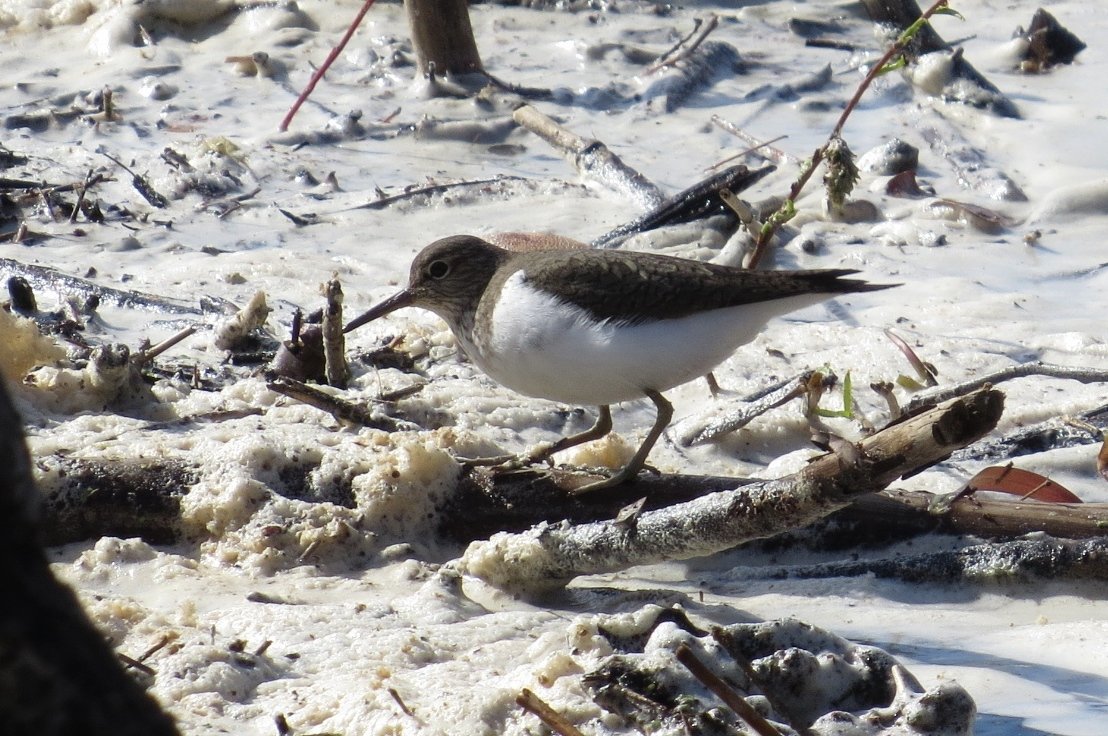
(442, 36)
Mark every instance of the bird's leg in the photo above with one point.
(631, 469)
(602, 427)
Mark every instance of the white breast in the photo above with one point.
(549, 349)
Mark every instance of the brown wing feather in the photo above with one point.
(624, 286)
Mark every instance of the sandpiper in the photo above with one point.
(587, 326)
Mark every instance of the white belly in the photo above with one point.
(543, 348)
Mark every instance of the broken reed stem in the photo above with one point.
(334, 342)
(726, 693)
(783, 214)
(324, 67)
(553, 719)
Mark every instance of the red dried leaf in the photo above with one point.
(904, 185)
(1022, 483)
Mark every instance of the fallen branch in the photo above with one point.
(592, 158)
(1018, 560)
(547, 556)
(1086, 428)
(899, 513)
(45, 278)
(699, 69)
(1073, 373)
(340, 409)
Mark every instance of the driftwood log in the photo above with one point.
(57, 674)
(548, 556)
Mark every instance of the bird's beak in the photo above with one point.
(398, 300)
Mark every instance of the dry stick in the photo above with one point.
(324, 67)
(548, 556)
(338, 408)
(781, 216)
(725, 692)
(591, 157)
(687, 44)
(552, 718)
(81, 196)
(427, 191)
(400, 702)
(1073, 373)
(145, 356)
(776, 155)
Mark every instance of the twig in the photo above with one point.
(400, 701)
(742, 210)
(140, 184)
(130, 299)
(1073, 373)
(135, 664)
(552, 718)
(324, 67)
(686, 45)
(154, 649)
(776, 155)
(89, 179)
(338, 408)
(725, 692)
(383, 202)
(145, 356)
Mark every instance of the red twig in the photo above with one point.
(324, 66)
(817, 157)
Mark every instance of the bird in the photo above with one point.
(598, 327)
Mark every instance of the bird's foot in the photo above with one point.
(613, 479)
(509, 463)
(484, 462)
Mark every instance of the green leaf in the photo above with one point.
(847, 412)
(899, 63)
(947, 10)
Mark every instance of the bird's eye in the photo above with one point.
(438, 269)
